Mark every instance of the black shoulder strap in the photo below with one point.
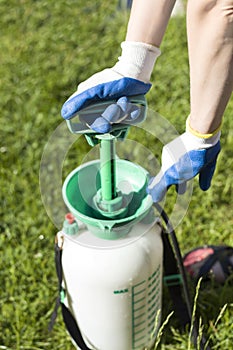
(175, 277)
(173, 280)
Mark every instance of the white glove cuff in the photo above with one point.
(137, 60)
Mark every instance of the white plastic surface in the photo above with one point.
(114, 290)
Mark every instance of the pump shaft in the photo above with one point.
(108, 167)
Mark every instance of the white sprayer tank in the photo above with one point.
(113, 287)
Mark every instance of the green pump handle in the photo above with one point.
(87, 116)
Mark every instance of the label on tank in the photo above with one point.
(144, 315)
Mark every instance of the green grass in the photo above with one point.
(47, 48)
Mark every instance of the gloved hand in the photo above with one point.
(122, 111)
(182, 159)
(129, 77)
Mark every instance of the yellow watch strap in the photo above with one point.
(198, 134)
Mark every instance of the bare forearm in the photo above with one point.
(148, 20)
(210, 36)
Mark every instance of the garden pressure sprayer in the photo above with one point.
(109, 253)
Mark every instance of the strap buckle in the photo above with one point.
(173, 280)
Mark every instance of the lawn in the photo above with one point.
(47, 48)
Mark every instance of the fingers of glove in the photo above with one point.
(181, 188)
(207, 171)
(124, 104)
(122, 111)
(111, 115)
(101, 125)
(206, 175)
(157, 187)
(103, 92)
(158, 192)
(131, 111)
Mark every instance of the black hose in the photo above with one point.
(171, 232)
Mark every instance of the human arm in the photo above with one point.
(210, 44)
(131, 74)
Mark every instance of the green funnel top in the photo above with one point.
(80, 193)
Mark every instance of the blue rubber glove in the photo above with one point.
(103, 92)
(123, 111)
(182, 159)
(130, 76)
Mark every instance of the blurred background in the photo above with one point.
(47, 48)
